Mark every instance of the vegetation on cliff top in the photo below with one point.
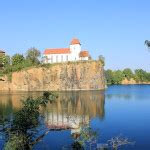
(18, 61)
(117, 76)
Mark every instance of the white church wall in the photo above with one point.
(75, 51)
(57, 58)
(84, 58)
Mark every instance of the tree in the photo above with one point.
(101, 59)
(119, 141)
(114, 77)
(147, 43)
(118, 76)
(109, 76)
(17, 59)
(140, 75)
(128, 73)
(4, 60)
(33, 54)
(147, 77)
(87, 137)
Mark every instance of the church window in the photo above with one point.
(52, 59)
(66, 57)
(56, 58)
(61, 58)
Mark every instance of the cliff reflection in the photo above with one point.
(79, 105)
(11, 102)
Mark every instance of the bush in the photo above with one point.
(17, 59)
(77, 146)
(25, 121)
(17, 142)
(4, 60)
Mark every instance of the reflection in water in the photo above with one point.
(11, 102)
(123, 96)
(72, 109)
(78, 105)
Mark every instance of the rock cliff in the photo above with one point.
(132, 81)
(66, 76)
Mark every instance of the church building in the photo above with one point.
(73, 53)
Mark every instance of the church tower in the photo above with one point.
(75, 48)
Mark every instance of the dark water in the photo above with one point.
(120, 110)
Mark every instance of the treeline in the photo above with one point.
(117, 76)
(18, 61)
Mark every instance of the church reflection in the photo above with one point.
(73, 109)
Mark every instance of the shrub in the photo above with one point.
(17, 142)
(25, 121)
(17, 59)
(77, 146)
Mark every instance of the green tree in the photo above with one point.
(33, 54)
(128, 73)
(87, 135)
(140, 75)
(109, 76)
(148, 77)
(118, 76)
(17, 59)
(4, 60)
(101, 59)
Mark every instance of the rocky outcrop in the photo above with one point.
(66, 76)
(126, 81)
(132, 81)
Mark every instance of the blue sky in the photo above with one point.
(115, 29)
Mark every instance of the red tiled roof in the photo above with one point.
(84, 54)
(75, 41)
(57, 51)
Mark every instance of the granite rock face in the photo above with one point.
(66, 76)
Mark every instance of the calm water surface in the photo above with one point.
(119, 110)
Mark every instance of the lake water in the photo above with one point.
(119, 110)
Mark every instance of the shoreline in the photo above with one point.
(69, 90)
(130, 84)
